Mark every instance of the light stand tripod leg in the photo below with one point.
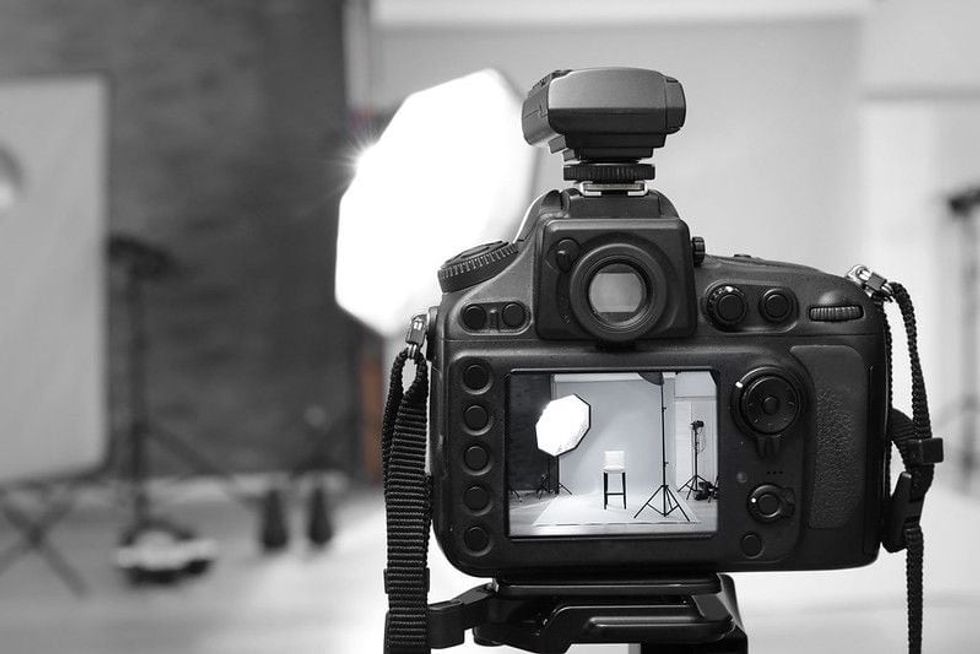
(35, 537)
(669, 503)
(668, 499)
(180, 448)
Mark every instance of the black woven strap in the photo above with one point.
(407, 510)
(920, 452)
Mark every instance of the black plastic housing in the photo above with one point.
(603, 114)
(831, 457)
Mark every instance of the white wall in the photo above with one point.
(921, 134)
(767, 161)
(828, 138)
(918, 151)
(695, 399)
(625, 416)
(920, 47)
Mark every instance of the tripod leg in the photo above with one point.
(35, 537)
(678, 506)
(199, 462)
(649, 503)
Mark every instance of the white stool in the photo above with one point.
(614, 462)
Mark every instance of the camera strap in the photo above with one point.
(919, 450)
(408, 510)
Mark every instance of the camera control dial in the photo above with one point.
(726, 305)
(769, 503)
(475, 265)
(766, 403)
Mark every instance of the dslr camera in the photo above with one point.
(610, 400)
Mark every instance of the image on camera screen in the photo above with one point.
(609, 453)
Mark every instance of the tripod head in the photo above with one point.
(604, 120)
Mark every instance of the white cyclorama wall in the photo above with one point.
(53, 278)
(695, 399)
(917, 151)
(767, 161)
(625, 415)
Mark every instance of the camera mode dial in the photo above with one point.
(475, 265)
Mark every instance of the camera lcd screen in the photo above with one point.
(612, 453)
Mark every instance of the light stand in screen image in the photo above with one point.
(697, 446)
(668, 502)
(561, 427)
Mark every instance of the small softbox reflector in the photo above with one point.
(563, 424)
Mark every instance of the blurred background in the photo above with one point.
(195, 330)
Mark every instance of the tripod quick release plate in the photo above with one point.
(672, 615)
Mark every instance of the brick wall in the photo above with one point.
(227, 147)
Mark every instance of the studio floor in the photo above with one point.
(585, 515)
(302, 602)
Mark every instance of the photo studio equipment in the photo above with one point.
(799, 358)
(614, 463)
(964, 208)
(562, 426)
(314, 463)
(153, 548)
(696, 483)
(53, 407)
(662, 500)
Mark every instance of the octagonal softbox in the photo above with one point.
(451, 170)
(563, 424)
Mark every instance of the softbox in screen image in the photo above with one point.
(52, 277)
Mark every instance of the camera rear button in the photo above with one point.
(513, 315)
(770, 405)
(751, 545)
(567, 253)
(475, 317)
(476, 458)
(476, 538)
(476, 498)
(776, 306)
(476, 377)
(476, 417)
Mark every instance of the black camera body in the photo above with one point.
(604, 301)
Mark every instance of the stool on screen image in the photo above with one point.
(614, 463)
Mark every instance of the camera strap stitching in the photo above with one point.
(407, 509)
(920, 451)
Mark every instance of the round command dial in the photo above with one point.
(769, 404)
(475, 265)
(726, 305)
(769, 503)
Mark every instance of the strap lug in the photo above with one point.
(902, 511)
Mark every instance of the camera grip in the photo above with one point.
(840, 384)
